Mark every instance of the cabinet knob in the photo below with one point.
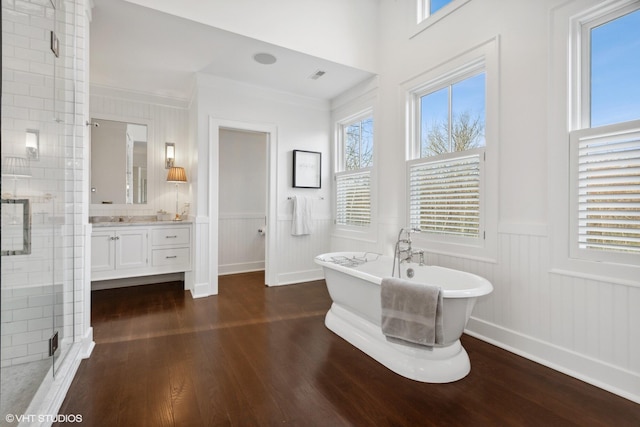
(171, 237)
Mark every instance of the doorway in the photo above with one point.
(270, 231)
(242, 201)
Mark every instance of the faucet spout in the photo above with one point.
(405, 254)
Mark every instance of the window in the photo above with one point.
(606, 166)
(429, 7)
(424, 13)
(445, 178)
(614, 70)
(353, 172)
(452, 118)
(605, 140)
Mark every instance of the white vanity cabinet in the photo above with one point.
(118, 250)
(122, 251)
(171, 248)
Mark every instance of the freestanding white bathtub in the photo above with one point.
(355, 314)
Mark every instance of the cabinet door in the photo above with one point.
(102, 251)
(131, 249)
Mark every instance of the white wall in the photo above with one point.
(337, 30)
(168, 122)
(242, 195)
(585, 325)
(300, 123)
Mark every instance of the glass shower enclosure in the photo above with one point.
(39, 196)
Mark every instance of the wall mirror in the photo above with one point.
(118, 162)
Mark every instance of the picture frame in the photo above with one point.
(307, 167)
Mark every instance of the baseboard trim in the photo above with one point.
(87, 344)
(611, 378)
(244, 267)
(299, 277)
(201, 290)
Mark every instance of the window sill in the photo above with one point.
(483, 253)
(595, 277)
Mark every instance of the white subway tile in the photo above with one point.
(27, 338)
(15, 327)
(29, 313)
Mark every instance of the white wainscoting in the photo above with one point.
(296, 253)
(199, 280)
(241, 248)
(587, 328)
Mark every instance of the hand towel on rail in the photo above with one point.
(411, 311)
(302, 218)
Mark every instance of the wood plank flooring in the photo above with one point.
(258, 356)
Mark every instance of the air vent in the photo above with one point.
(317, 75)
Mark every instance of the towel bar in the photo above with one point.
(291, 198)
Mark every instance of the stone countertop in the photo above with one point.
(126, 221)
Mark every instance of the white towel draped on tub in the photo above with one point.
(302, 219)
(411, 311)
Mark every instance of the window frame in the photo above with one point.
(481, 59)
(419, 20)
(581, 42)
(580, 120)
(565, 103)
(340, 166)
(472, 69)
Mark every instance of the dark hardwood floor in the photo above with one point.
(262, 356)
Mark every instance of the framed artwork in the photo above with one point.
(307, 166)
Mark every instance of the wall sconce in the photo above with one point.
(169, 154)
(32, 143)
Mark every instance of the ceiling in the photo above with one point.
(144, 50)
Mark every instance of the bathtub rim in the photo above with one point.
(484, 286)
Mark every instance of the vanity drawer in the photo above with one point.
(170, 236)
(170, 257)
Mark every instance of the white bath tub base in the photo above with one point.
(424, 364)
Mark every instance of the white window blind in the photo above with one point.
(444, 195)
(608, 191)
(353, 198)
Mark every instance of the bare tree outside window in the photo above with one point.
(353, 192)
(467, 132)
(358, 145)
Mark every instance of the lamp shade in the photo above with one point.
(17, 167)
(176, 174)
